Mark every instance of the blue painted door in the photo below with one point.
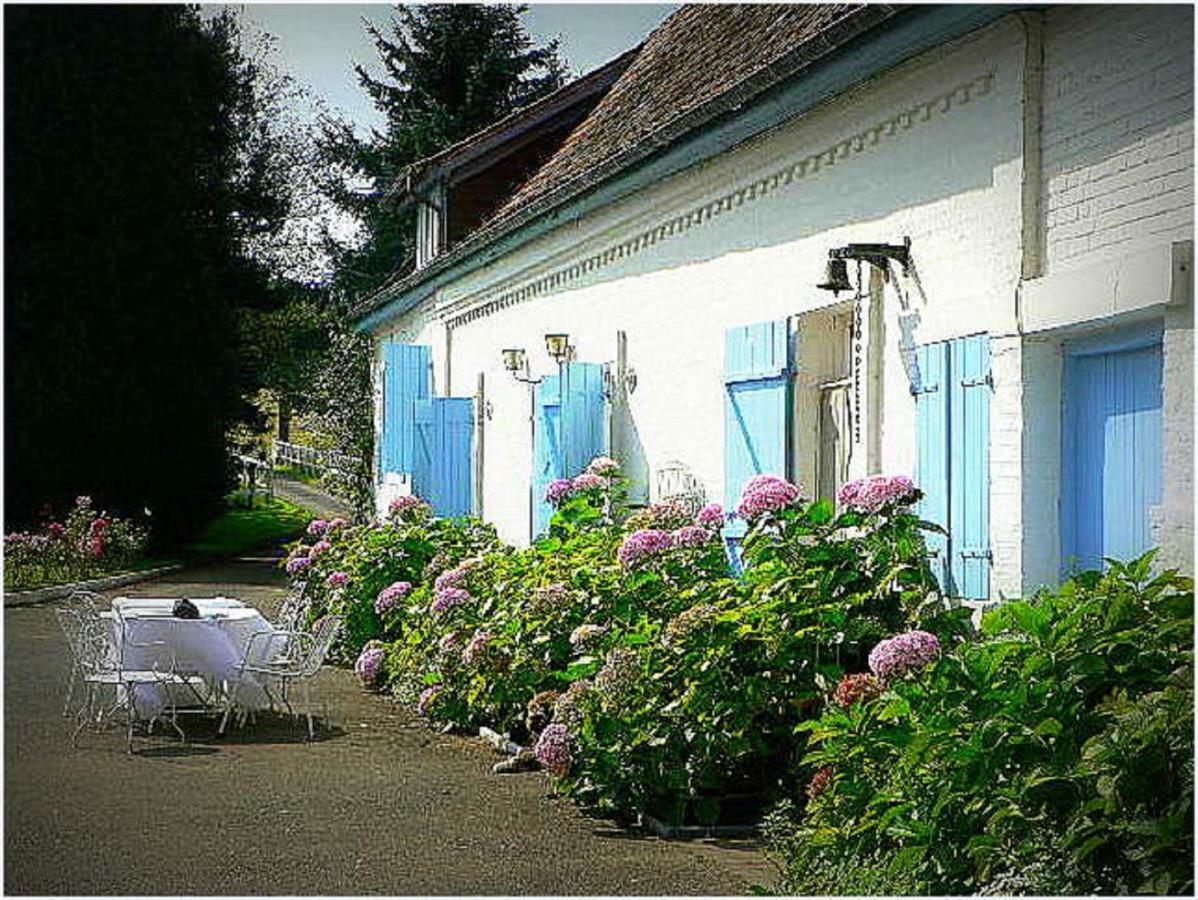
(444, 454)
(757, 369)
(570, 430)
(1111, 455)
(952, 427)
(407, 378)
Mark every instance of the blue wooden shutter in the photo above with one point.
(757, 370)
(407, 378)
(932, 449)
(969, 466)
(1111, 460)
(583, 418)
(444, 454)
(548, 464)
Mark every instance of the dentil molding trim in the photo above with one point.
(501, 297)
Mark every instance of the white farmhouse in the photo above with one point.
(824, 241)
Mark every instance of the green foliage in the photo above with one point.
(85, 545)
(1053, 754)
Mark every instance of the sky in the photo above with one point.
(318, 43)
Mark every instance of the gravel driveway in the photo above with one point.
(379, 804)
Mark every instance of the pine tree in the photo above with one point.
(449, 71)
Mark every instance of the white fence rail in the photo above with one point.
(313, 460)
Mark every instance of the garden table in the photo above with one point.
(211, 646)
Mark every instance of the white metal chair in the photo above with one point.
(81, 600)
(283, 657)
(102, 663)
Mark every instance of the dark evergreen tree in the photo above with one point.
(136, 180)
(450, 70)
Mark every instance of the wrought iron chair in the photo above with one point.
(83, 600)
(284, 657)
(102, 664)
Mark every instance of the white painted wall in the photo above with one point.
(932, 150)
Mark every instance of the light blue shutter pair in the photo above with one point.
(430, 439)
(952, 424)
(570, 428)
(1111, 459)
(757, 369)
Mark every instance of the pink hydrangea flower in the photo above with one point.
(391, 595)
(297, 565)
(766, 494)
(337, 524)
(317, 527)
(407, 508)
(903, 653)
(559, 490)
(871, 495)
(604, 466)
(449, 578)
(553, 750)
(448, 598)
(711, 516)
(319, 547)
(337, 579)
(644, 544)
(477, 646)
(428, 697)
(692, 536)
(370, 664)
(588, 482)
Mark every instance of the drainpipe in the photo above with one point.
(1032, 199)
(480, 435)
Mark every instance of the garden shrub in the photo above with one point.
(88, 544)
(1052, 754)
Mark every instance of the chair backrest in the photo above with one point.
(88, 600)
(72, 630)
(97, 653)
(294, 611)
(322, 639)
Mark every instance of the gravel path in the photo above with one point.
(377, 805)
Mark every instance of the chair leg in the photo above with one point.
(229, 700)
(83, 715)
(308, 709)
(71, 678)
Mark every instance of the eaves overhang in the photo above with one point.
(861, 46)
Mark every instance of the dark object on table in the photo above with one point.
(185, 609)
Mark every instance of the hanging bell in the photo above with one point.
(836, 279)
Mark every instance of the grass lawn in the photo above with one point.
(297, 473)
(240, 530)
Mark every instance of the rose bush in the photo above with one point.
(87, 544)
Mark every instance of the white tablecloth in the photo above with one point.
(211, 646)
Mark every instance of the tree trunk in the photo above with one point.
(284, 420)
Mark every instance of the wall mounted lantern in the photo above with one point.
(836, 277)
(513, 359)
(558, 347)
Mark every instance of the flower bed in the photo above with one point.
(86, 545)
(618, 646)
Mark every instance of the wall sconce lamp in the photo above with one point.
(836, 277)
(558, 347)
(513, 359)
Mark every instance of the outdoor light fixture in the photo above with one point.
(558, 347)
(836, 278)
(513, 359)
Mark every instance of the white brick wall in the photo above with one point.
(1118, 129)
